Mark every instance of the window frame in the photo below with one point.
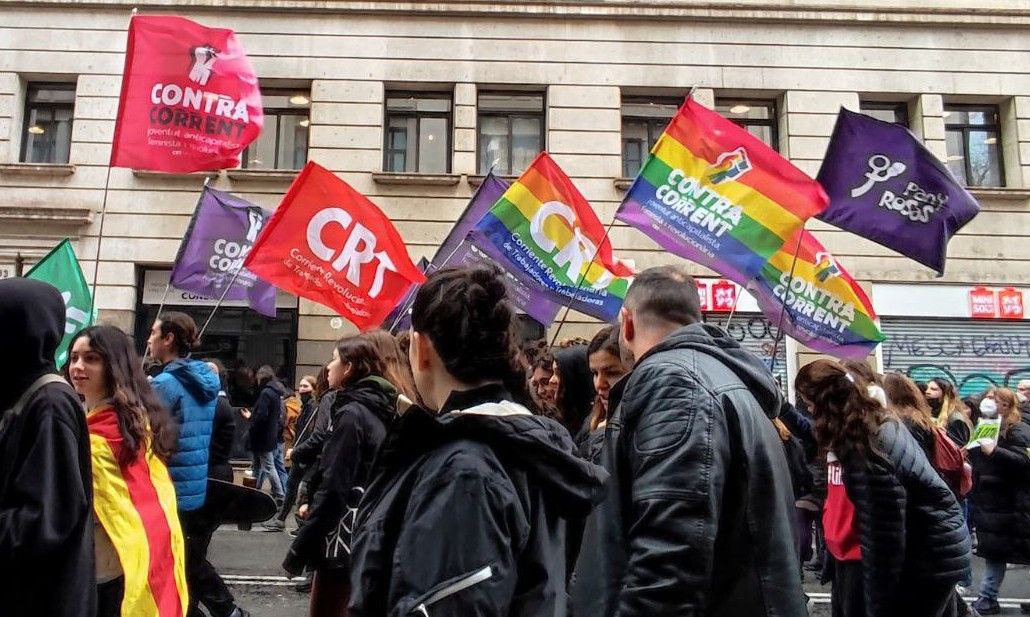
(773, 121)
(895, 106)
(966, 128)
(510, 114)
(448, 116)
(279, 112)
(651, 124)
(29, 105)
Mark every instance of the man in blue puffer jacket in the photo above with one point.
(189, 389)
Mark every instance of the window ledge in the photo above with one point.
(1001, 193)
(34, 214)
(477, 181)
(263, 175)
(623, 184)
(36, 169)
(151, 175)
(406, 179)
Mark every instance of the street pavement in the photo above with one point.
(250, 562)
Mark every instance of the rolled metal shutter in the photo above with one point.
(974, 355)
(755, 334)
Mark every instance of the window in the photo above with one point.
(896, 113)
(511, 131)
(283, 143)
(758, 117)
(643, 121)
(974, 148)
(47, 137)
(418, 133)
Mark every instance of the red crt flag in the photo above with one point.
(330, 244)
(190, 99)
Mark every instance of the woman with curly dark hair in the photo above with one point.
(139, 543)
(895, 535)
(465, 513)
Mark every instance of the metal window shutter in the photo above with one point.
(755, 334)
(974, 355)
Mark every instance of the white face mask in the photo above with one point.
(988, 408)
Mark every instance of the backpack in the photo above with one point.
(950, 462)
(290, 411)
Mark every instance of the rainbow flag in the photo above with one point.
(543, 231)
(822, 305)
(135, 504)
(714, 194)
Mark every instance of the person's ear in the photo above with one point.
(420, 348)
(626, 323)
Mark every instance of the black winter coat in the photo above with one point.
(266, 419)
(46, 481)
(699, 514)
(362, 412)
(1001, 497)
(223, 437)
(465, 515)
(910, 527)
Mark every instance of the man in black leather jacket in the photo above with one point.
(697, 519)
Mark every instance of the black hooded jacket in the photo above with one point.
(46, 484)
(266, 420)
(361, 413)
(577, 390)
(698, 519)
(465, 513)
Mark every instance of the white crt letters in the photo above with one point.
(358, 250)
(574, 255)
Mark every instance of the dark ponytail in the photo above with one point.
(466, 314)
(183, 330)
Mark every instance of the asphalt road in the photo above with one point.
(250, 562)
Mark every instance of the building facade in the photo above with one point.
(411, 103)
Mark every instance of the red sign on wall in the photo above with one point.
(1010, 303)
(724, 296)
(983, 303)
(702, 293)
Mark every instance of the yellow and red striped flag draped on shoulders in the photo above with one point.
(135, 503)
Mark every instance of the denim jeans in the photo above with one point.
(266, 468)
(994, 574)
(280, 464)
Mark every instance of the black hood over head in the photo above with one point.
(577, 386)
(713, 341)
(538, 445)
(32, 317)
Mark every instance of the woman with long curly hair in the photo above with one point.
(140, 558)
(1001, 495)
(895, 534)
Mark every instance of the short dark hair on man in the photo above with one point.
(665, 293)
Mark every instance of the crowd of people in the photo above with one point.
(655, 469)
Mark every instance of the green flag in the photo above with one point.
(61, 269)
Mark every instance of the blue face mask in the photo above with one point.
(988, 408)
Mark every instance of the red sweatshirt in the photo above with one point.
(839, 526)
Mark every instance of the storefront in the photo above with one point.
(748, 325)
(239, 337)
(975, 337)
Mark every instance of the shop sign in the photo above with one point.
(1010, 303)
(724, 296)
(6, 271)
(983, 303)
(702, 292)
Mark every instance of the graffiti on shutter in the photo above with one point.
(755, 334)
(974, 355)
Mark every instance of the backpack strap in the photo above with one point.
(12, 413)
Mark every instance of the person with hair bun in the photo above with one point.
(896, 540)
(467, 507)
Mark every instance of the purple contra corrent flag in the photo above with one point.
(457, 250)
(886, 186)
(221, 233)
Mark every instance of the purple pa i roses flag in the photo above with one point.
(457, 250)
(886, 186)
(221, 234)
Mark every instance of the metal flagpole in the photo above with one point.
(783, 305)
(100, 239)
(579, 282)
(733, 310)
(220, 299)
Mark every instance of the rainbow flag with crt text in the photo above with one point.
(543, 231)
(715, 194)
